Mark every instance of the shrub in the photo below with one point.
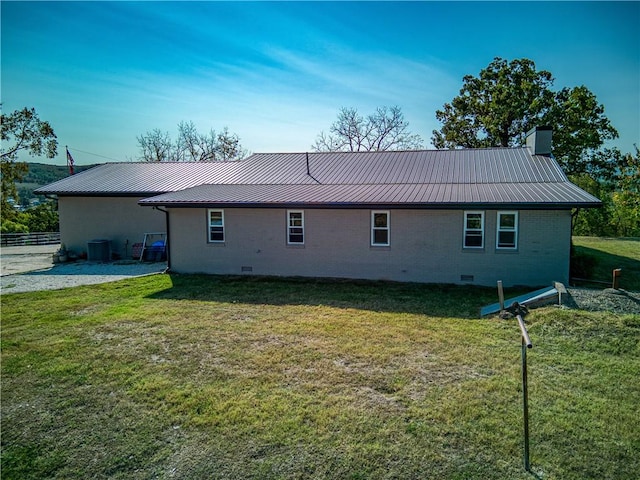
(9, 226)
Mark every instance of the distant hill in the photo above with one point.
(39, 175)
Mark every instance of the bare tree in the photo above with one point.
(191, 146)
(386, 129)
(228, 146)
(156, 146)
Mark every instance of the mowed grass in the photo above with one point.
(208, 377)
(612, 253)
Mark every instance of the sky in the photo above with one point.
(277, 73)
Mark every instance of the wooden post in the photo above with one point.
(616, 278)
(500, 295)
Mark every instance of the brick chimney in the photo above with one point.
(539, 141)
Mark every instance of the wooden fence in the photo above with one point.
(20, 239)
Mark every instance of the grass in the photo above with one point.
(220, 377)
(611, 253)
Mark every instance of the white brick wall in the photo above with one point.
(426, 246)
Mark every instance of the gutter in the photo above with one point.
(383, 205)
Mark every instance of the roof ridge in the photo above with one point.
(352, 184)
(342, 152)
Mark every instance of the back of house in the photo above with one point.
(442, 216)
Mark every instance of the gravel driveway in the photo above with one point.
(28, 269)
(607, 300)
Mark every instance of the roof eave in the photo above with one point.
(382, 205)
(100, 194)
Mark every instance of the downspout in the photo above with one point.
(167, 242)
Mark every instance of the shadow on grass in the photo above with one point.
(605, 263)
(434, 300)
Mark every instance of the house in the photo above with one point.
(469, 216)
(102, 202)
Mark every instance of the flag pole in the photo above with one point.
(69, 160)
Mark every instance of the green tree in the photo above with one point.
(496, 108)
(386, 129)
(626, 198)
(21, 131)
(42, 218)
(507, 99)
(580, 128)
(594, 221)
(620, 195)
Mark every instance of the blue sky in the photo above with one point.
(276, 74)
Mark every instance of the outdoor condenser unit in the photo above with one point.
(99, 250)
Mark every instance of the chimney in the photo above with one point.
(539, 141)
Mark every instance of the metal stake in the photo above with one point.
(526, 343)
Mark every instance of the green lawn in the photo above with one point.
(187, 377)
(611, 253)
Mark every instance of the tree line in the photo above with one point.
(190, 145)
(493, 109)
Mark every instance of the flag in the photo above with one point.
(69, 162)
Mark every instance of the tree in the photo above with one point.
(386, 129)
(580, 128)
(626, 198)
(190, 146)
(21, 131)
(620, 212)
(42, 218)
(156, 146)
(507, 99)
(229, 147)
(594, 221)
(496, 108)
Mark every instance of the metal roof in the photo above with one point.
(425, 178)
(438, 195)
(140, 178)
(422, 166)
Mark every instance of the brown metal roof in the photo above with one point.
(141, 178)
(429, 178)
(438, 195)
(424, 166)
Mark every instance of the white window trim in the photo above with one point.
(465, 229)
(515, 229)
(289, 227)
(209, 225)
(374, 228)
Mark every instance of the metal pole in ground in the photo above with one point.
(526, 343)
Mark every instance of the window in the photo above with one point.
(473, 229)
(216, 225)
(379, 228)
(507, 235)
(295, 227)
